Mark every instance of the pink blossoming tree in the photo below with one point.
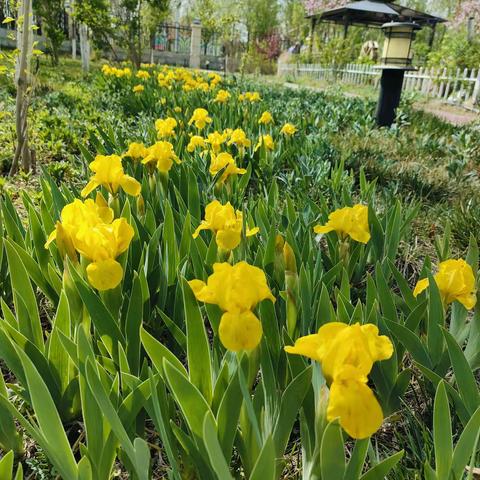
(315, 6)
(467, 9)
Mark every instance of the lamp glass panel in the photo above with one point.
(398, 48)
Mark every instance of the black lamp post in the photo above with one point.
(396, 60)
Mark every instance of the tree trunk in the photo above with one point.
(55, 54)
(84, 47)
(139, 46)
(74, 41)
(22, 81)
(471, 29)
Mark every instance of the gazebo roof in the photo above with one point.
(375, 13)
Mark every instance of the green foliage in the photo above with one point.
(51, 12)
(143, 366)
(261, 17)
(96, 15)
(455, 51)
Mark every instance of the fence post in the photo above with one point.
(446, 92)
(476, 89)
(471, 86)
(195, 44)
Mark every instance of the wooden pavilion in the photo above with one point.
(373, 13)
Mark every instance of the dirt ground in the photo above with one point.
(449, 113)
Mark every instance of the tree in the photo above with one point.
(51, 13)
(153, 16)
(296, 27)
(23, 84)
(207, 11)
(466, 10)
(261, 17)
(97, 16)
(135, 30)
(315, 6)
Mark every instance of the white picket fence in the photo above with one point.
(458, 86)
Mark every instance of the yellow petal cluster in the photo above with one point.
(200, 118)
(196, 141)
(216, 140)
(347, 354)
(109, 173)
(166, 127)
(107, 70)
(138, 89)
(266, 141)
(136, 151)
(224, 161)
(143, 74)
(249, 97)
(265, 118)
(162, 155)
(222, 96)
(226, 223)
(455, 281)
(239, 138)
(348, 222)
(236, 290)
(288, 129)
(215, 79)
(89, 229)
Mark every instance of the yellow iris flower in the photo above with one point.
(266, 141)
(239, 138)
(236, 290)
(226, 223)
(88, 213)
(143, 74)
(117, 72)
(222, 96)
(166, 127)
(136, 151)
(455, 281)
(215, 79)
(162, 155)
(216, 139)
(200, 118)
(288, 129)
(347, 354)
(265, 118)
(195, 142)
(138, 89)
(348, 222)
(249, 96)
(89, 229)
(224, 161)
(109, 172)
(74, 215)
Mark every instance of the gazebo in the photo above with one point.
(373, 13)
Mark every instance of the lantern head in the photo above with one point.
(397, 49)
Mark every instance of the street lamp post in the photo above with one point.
(396, 59)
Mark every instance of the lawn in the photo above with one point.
(213, 277)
